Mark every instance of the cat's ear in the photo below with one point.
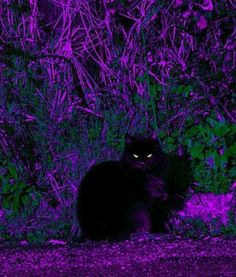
(128, 139)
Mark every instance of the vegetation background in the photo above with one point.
(75, 76)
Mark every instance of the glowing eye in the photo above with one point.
(149, 156)
(136, 156)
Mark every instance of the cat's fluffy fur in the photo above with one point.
(135, 194)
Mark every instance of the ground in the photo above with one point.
(142, 256)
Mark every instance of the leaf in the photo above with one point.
(21, 186)
(231, 151)
(233, 129)
(13, 171)
(16, 203)
(196, 151)
(155, 91)
(25, 199)
(187, 90)
(180, 89)
(220, 130)
(212, 121)
(5, 204)
(6, 188)
(192, 131)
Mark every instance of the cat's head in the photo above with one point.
(142, 153)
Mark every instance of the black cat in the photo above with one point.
(135, 194)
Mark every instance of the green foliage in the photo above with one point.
(143, 78)
(196, 228)
(15, 194)
(116, 120)
(229, 230)
(95, 131)
(60, 228)
(37, 237)
(155, 91)
(211, 145)
(191, 228)
(196, 151)
(212, 148)
(170, 144)
(182, 90)
(210, 142)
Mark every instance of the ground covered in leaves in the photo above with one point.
(139, 256)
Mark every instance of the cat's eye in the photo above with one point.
(136, 156)
(149, 156)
